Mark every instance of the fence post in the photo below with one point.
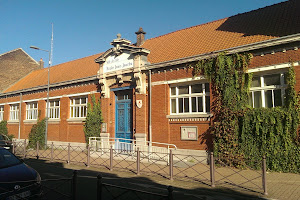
(74, 184)
(170, 193)
(111, 158)
(88, 155)
(99, 187)
(171, 164)
(138, 157)
(24, 149)
(69, 147)
(37, 150)
(51, 155)
(212, 169)
(13, 147)
(264, 175)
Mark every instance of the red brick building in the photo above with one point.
(148, 89)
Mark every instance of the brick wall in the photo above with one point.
(277, 57)
(167, 130)
(58, 130)
(12, 62)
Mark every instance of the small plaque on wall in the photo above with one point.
(189, 133)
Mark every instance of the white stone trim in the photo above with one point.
(53, 120)
(30, 121)
(76, 120)
(30, 100)
(79, 94)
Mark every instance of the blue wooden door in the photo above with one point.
(123, 120)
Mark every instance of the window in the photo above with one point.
(267, 90)
(1, 112)
(188, 99)
(14, 112)
(54, 109)
(78, 107)
(31, 110)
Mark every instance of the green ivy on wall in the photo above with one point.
(37, 134)
(94, 119)
(4, 130)
(242, 135)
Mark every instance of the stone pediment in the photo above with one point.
(120, 46)
(117, 51)
(122, 62)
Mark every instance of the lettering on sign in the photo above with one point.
(120, 62)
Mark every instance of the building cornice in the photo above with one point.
(238, 49)
(59, 84)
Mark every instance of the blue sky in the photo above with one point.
(86, 27)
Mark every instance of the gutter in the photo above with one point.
(232, 50)
(150, 107)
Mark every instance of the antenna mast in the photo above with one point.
(51, 53)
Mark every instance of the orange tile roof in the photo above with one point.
(274, 21)
(75, 69)
(263, 24)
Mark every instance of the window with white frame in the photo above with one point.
(78, 107)
(190, 99)
(267, 90)
(1, 112)
(14, 112)
(54, 109)
(31, 110)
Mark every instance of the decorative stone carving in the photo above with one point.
(104, 87)
(118, 69)
(138, 81)
(120, 78)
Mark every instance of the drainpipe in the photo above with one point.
(150, 107)
(20, 114)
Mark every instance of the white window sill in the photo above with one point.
(77, 120)
(53, 121)
(30, 121)
(182, 116)
(13, 121)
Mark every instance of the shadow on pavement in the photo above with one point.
(87, 183)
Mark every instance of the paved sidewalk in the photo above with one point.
(279, 185)
(283, 185)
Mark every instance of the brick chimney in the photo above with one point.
(140, 37)
(41, 63)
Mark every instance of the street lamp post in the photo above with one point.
(47, 104)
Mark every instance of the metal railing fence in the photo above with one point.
(130, 145)
(208, 170)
